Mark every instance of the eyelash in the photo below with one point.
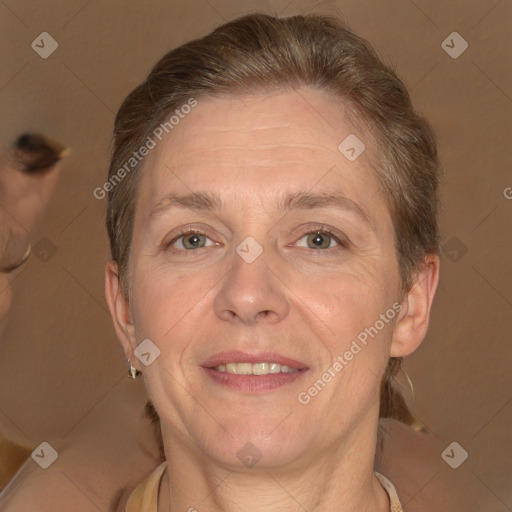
(322, 230)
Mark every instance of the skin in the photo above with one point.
(98, 472)
(96, 466)
(297, 300)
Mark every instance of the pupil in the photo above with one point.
(194, 240)
(318, 240)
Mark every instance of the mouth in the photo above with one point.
(253, 373)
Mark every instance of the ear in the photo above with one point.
(120, 311)
(412, 323)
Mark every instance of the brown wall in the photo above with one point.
(59, 356)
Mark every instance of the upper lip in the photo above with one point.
(237, 356)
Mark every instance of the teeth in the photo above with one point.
(260, 369)
(230, 368)
(255, 369)
(244, 368)
(275, 368)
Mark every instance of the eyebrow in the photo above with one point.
(303, 200)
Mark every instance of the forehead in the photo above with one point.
(256, 146)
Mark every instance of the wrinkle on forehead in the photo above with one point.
(251, 138)
(256, 116)
(255, 132)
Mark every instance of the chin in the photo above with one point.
(258, 447)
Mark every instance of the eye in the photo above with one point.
(318, 240)
(321, 239)
(190, 239)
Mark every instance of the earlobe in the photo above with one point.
(119, 309)
(411, 326)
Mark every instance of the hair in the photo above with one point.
(258, 53)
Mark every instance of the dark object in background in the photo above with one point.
(38, 153)
(26, 184)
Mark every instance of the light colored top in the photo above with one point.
(395, 505)
(145, 496)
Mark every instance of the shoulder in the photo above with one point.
(412, 461)
(47, 490)
(88, 484)
(96, 468)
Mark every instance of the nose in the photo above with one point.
(251, 293)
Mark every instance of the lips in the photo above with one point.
(249, 372)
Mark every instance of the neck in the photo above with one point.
(340, 479)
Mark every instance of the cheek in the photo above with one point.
(164, 302)
(357, 339)
(345, 316)
(347, 300)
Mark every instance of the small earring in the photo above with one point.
(133, 373)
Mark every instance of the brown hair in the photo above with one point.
(258, 53)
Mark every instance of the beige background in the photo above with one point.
(59, 358)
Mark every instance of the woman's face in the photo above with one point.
(257, 178)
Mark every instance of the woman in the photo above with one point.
(272, 219)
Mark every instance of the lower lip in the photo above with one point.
(254, 383)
